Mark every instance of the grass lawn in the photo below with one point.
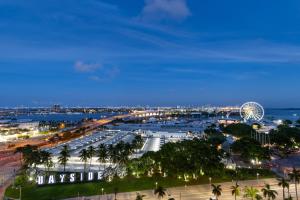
(33, 192)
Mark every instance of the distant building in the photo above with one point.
(228, 121)
(56, 108)
(29, 125)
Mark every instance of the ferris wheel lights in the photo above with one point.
(252, 111)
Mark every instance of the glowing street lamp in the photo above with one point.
(209, 183)
(156, 185)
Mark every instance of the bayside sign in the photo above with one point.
(69, 178)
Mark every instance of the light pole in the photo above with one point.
(20, 192)
(102, 189)
(209, 183)
(257, 176)
(156, 185)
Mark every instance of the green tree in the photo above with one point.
(188, 158)
(216, 190)
(102, 154)
(113, 154)
(91, 152)
(84, 156)
(239, 130)
(46, 160)
(252, 193)
(64, 156)
(287, 122)
(268, 192)
(137, 142)
(295, 176)
(282, 182)
(27, 158)
(285, 138)
(160, 192)
(250, 149)
(235, 190)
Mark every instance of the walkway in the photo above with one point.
(197, 192)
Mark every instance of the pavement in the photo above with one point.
(196, 192)
(9, 165)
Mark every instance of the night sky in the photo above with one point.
(149, 52)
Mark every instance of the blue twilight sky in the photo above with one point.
(149, 52)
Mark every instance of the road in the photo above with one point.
(197, 192)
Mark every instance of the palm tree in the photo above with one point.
(139, 196)
(46, 160)
(35, 159)
(235, 190)
(216, 190)
(295, 176)
(84, 156)
(137, 142)
(160, 192)
(252, 193)
(64, 156)
(102, 154)
(113, 156)
(26, 155)
(268, 192)
(284, 184)
(91, 152)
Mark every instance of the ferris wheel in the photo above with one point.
(252, 111)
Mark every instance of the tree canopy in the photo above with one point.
(285, 136)
(250, 149)
(239, 130)
(186, 158)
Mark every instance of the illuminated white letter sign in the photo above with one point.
(90, 176)
(69, 178)
(62, 178)
(40, 180)
(72, 178)
(51, 179)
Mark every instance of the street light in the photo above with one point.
(102, 189)
(209, 183)
(257, 176)
(156, 185)
(20, 192)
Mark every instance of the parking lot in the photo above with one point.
(94, 139)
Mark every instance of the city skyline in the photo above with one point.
(152, 52)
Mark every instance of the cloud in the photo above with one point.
(80, 66)
(112, 72)
(234, 73)
(95, 78)
(106, 74)
(97, 72)
(165, 9)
